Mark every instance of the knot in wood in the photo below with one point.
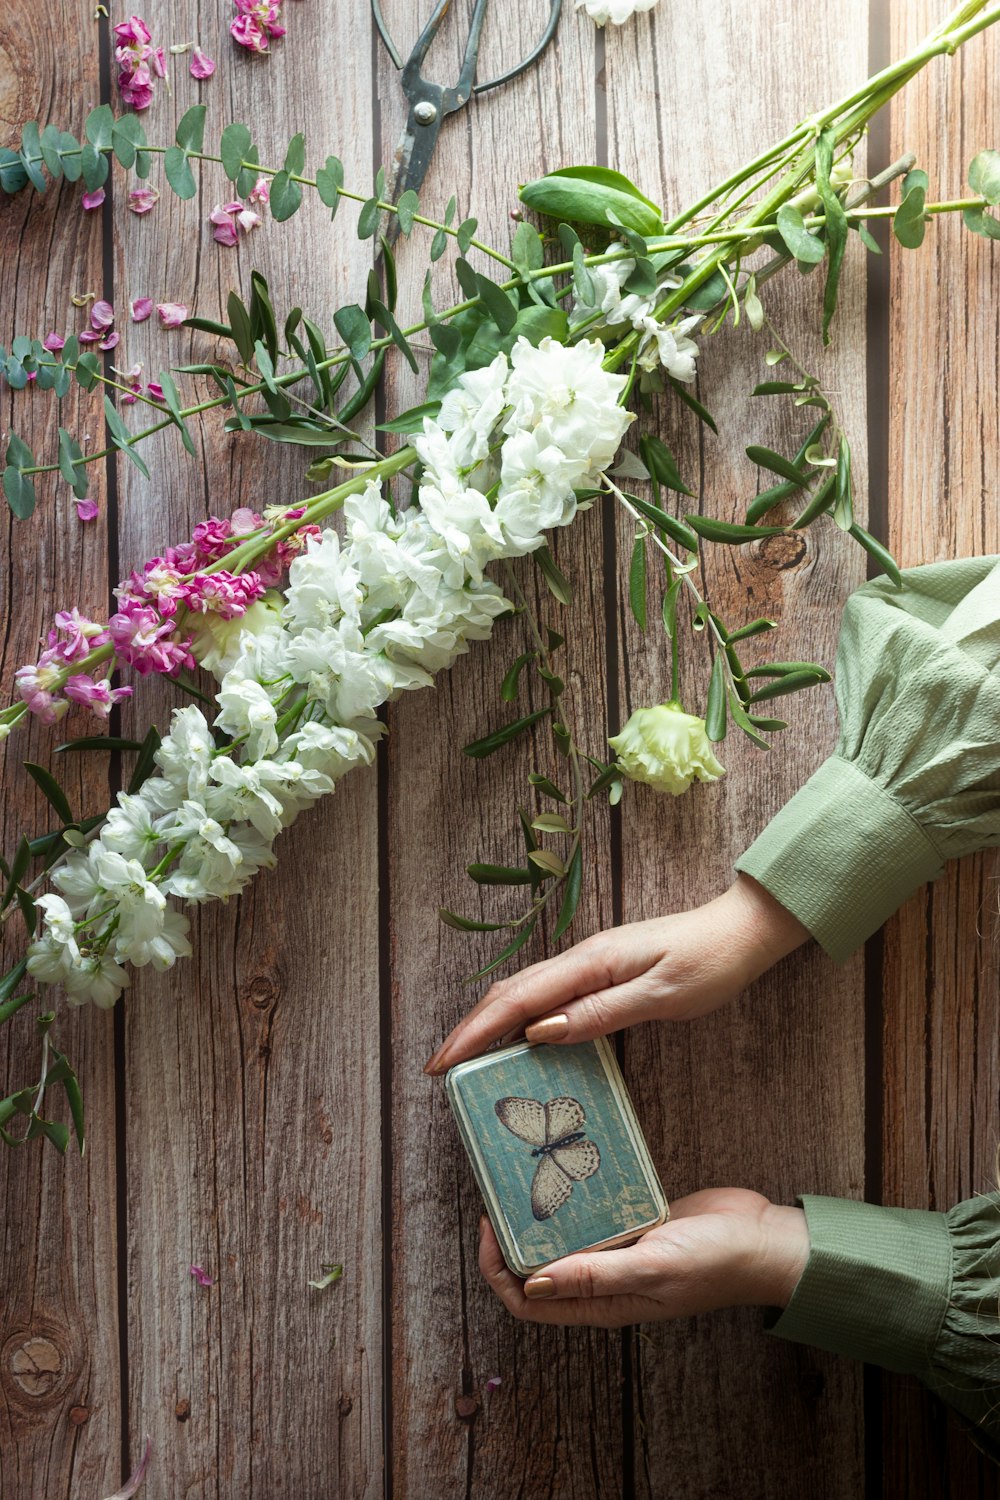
(466, 1407)
(34, 1365)
(78, 1415)
(183, 1409)
(263, 992)
(789, 550)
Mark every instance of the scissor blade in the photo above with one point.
(413, 156)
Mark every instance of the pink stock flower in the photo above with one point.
(53, 342)
(141, 200)
(261, 191)
(138, 59)
(201, 1276)
(211, 538)
(133, 33)
(86, 510)
(202, 65)
(171, 314)
(82, 635)
(136, 90)
(88, 336)
(35, 683)
(256, 23)
(141, 308)
(97, 695)
(147, 642)
(227, 594)
(94, 199)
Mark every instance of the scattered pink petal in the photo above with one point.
(132, 1483)
(493, 1384)
(261, 191)
(86, 509)
(88, 336)
(256, 23)
(202, 66)
(53, 342)
(171, 314)
(141, 309)
(230, 220)
(112, 340)
(133, 33)
(141, 200)
(159, 61)
(94, 199)
(201, 1276)
(102, 315)
(155, 389)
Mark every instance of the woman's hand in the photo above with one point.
(672, 968)
(721, 1248)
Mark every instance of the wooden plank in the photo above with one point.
(941, 1011)
(253, 1103)
(554, 1425)
(767, 1094)
(59, 1375)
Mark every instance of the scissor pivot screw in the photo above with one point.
(425, 112)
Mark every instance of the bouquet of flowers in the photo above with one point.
(595, 310)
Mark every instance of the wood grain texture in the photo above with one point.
(252, 1124)
(766, 1094)
(554, 1426)
(941, 1023)
(60, 1404)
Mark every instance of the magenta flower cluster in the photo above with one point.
(139, 62)
(43, 684)
(147, 630)
(256, 23)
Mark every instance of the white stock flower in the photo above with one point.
(247, 712)
(568, 388)
(471, 411)
(330, 748)
(667, 749)
(217, 643)
(670, 347)
(322, 584)
(98, 977)
(128, 828)
(56, 953)
(615, 11)
(183, 758)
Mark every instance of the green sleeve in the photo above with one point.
(915, 778)
(912, 1291)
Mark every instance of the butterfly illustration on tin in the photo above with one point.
(555, 1133)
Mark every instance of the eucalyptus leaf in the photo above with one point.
(285, 197)
(984, 176)
(233, 147)
(799, 241)
(329, 181)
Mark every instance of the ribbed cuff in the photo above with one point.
(876, 1286)
(841, 856)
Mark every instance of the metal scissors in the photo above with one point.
(430, 103)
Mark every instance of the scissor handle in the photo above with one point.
(426, 37)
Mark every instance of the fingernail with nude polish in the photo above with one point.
(548, 1029)
(432, 1065)
(540, 1286)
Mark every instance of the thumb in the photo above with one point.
(597, 1013)
(603, 1273)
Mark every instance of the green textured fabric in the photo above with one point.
(915, 778)
(913, 1291)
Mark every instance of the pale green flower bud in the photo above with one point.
(666, 748)
(215, 642)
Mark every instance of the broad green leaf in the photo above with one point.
(984, 175)
(18, 486)
(408, 205)
(637, 581)
(500, 737)
(13, 177)
(465, 234)
(99, 125)
(368, 219)
(981, 223)
(233, 147)
(548, 862)
(527, 251)
(191, 128)
(95, 167)
(412, 420)
(354, 328)
(71, 464)
(178, 172)
(908, 222)
(593, 195)
(800, 242)
(329, 181)
(295, 157)
(285, 198)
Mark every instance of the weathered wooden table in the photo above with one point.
(262, 1109)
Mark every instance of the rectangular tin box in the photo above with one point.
(557, 1150)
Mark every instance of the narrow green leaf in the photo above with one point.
(558, 584)
(571, 896)
(144, 765)
(729, 532)
(548, 862)
(836, 226)
(548, 788)
(385, 319)
(820, 503)
(239, 322)
(18, 866)
(498, 874)
(550, 823)
(171, 396)
(715, 713)
(98, 742)
(661, 464)
(676, 530)
(465, 234)
(637, 581)
(466, 924)
(755, 627)
(843, 509)
(500, 737)
(881, 554)
(785, 668)
(701, 412)
(121, 437)
(670, 608)
(508, 688)
(766, 458)
(51, 789)
(793, 682)
(743, 720)
(512, 947)
(412, 420)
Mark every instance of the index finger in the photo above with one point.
(509, 1003)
